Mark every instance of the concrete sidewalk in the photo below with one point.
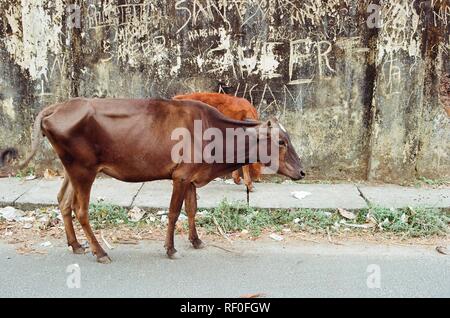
(156, 195)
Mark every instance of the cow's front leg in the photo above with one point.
(190, 204)
(83, 218)
(255, 172)
(178, 193)
(247, 178)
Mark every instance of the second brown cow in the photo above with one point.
(239, 109)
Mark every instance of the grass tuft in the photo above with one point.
(22, 174)
(237, 216)
(431, 182)
(415, 222)
(103, 215)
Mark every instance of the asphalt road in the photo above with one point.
(295, 269)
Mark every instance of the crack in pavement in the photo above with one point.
(137, 193)
(14, 203)
(361, 194)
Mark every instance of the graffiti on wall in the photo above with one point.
(253, 46)
(271, 52)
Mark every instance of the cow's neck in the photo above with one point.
(262, 138)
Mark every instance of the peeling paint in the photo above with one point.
(400, 29)
(8, 108)
(30, 49)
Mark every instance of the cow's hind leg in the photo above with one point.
(178, 194)
(66, 200)
(190, 204)
(82, 186)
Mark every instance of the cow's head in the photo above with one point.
(289, 163)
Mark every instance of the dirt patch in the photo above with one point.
(30, 241)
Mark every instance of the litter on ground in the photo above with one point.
(300, 195)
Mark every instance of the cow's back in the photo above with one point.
(126, 138)
(231, 106)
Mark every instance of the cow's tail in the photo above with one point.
(37, 134)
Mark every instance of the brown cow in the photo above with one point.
(236, 108)
(132, 140)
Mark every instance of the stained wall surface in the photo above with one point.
(360, 84)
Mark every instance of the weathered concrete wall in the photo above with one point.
(360, 94)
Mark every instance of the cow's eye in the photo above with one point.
(282, 143)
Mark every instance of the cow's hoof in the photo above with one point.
(171, 253)
(79, 250)
(104, 260)
(237, 181)
(198, 244)
(251, 188)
